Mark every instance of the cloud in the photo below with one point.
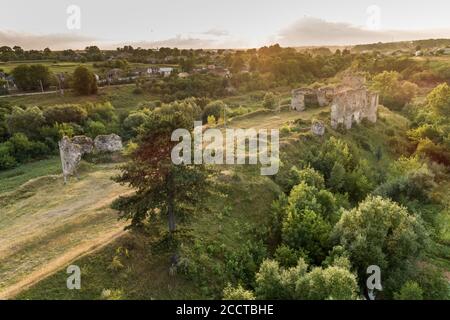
(314, 31)
(178, 42)
(41, 41)
(216, 32)
(188, 42)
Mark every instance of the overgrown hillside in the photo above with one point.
(226, 242)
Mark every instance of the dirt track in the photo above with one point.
(45, 225)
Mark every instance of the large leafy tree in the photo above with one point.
(380, 232)
(162, 188)
(334, 282)
(84, 81)
(32, 77)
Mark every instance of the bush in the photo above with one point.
(95, 128)
(65, 113)
(215, 109)
(410, 291)
(269, 101)
(237, 293)
(6, 160)
(28, 121)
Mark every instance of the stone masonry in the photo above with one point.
(71, 150)
(351, 101)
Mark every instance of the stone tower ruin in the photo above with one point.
(351, 101)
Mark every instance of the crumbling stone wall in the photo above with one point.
(350, 101)
(306, 97)
(353, 105)
(108, 143)
(71, 150)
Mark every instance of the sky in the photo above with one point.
(61, 24)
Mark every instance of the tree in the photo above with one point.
(334, 282)
(394, 92)
(380, 232)
(215, 108)
(187, 65)
(238, 64)
(83, 81)
(32, 77)
(307, 221)
(269, 101)
(439, 100)
(237, 293)
(162, 188)
(28, 121)
(410, 291)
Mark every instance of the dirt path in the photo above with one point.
(45, 225)
(58, 263)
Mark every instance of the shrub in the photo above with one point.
(65, 113)
(237, 293)
(410, 291)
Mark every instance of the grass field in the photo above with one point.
(54, 66)
(122, 97)
(44, 224)
(58, 67)
(11, 179)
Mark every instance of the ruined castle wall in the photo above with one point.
(71, 150)
(352, 106)
(298, 100)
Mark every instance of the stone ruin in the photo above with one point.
(108, 143)
(351, 101)
(306, 97)
(318, 128)
(71, 150)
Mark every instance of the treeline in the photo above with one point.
(33, 133)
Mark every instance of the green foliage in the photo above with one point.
(95, 128)
(237, 293)
(380, 232)
(28, 121)
(133, 121)
(83, 81)
(168, 189)
(433, 283)
(215, 108)
(274, 282)
(65, 113)
(269, 101)
(30, 77)
(23, 149)
(410, 291)
(287, 256)
(295, 176)
(394, 92)
(307, 222)
(7, 161)
(439, 100)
